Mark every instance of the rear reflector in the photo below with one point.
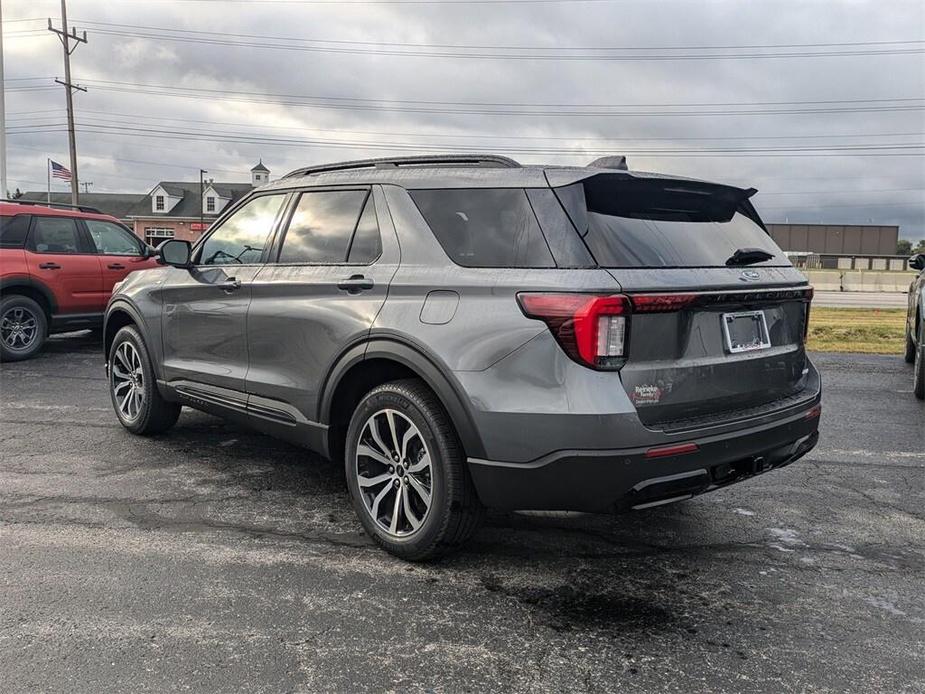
(676, 449)
(661, 303)
(815, 411)
(592, 329)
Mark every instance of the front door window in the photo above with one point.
(240, 239)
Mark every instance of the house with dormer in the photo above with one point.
(183, 210)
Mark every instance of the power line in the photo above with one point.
(120, 118)
(237, 138)
(395, 2)
(838, 103)
(205, 40)
(136, 161)
(497, 47)
(256, 138)
(474, 108)
(26, 113)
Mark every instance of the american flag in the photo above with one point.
(58, 171)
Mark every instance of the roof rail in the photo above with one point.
(79, 208)
(478, 160)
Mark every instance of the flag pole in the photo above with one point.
(48, 173)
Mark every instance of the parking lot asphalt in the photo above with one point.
(212, 558)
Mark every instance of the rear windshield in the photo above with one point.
(485, 227)
(631, 223)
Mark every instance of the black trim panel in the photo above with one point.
(424, 366)
(13, 281)
(76, 321)
(603, 481)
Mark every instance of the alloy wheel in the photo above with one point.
(393, 473)
(19, 328)
(128, 381)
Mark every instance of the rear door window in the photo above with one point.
(55, 235)
(653, 223)
(111, 239)
(485, 227)
(322, 226)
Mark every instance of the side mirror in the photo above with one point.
(174, 252)
(147, 251)
(917, 262)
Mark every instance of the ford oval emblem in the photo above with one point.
(750, 276)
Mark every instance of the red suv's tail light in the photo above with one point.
(592, 329)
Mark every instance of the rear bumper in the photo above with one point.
(622, 479)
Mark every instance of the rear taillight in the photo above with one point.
(592, 329)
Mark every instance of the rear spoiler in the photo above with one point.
(657, 198)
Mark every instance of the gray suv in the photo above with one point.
(467, 332)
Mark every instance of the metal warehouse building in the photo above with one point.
(836, 239)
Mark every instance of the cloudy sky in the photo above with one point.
(831, 128)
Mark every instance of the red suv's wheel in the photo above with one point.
(23, 328)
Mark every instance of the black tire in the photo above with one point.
(23, 328)
(909, 355)
(454, 512)
(153, 414)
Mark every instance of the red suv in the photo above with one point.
(57, 270)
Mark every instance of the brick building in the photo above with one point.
(174, 209)
(836, 239)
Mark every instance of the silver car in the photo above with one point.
(466, 332)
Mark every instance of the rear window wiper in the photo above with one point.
(747, 256)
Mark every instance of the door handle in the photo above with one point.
(231, 284)
(49, 266)
(355, 284)
(116, 266)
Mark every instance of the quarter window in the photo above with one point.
(367, 244)
(13, 230)
(322, 227)
(55, 235)
(485, 227)
(241, 238)
(110, 239)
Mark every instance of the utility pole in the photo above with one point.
(66, 39)
(202, 223)
(86, 185)
(3, 191)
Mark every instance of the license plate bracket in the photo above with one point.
(745, 331)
